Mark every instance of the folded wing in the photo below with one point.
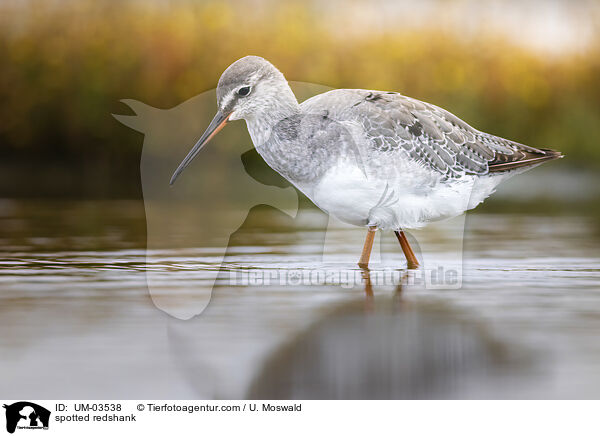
(427, 134)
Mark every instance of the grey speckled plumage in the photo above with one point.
(425, 133)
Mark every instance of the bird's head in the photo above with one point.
(247, 89)
(247, 86)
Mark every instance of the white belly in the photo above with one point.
(346, 193)
(406, 201)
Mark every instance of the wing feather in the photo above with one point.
(426, 133)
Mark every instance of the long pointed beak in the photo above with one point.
(217, 123)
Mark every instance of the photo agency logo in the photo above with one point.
(235, 180)
(24, 415)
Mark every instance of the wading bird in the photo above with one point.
(371, 158)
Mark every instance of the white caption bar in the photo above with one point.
(301, 417)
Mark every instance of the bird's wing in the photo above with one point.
(425, 133)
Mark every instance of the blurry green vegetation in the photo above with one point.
(66, 65)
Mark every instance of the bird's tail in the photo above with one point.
(523, 158)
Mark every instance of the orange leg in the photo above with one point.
(366, 253)
(411, 259)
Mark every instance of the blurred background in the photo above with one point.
(529, 71)
(74, 249)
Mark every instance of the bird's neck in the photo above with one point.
(280, 106)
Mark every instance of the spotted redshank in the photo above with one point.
(370, 158)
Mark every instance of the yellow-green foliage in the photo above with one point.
(65, 66)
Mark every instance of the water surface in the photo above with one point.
(78, 320)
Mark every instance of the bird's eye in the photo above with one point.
(244, 91)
